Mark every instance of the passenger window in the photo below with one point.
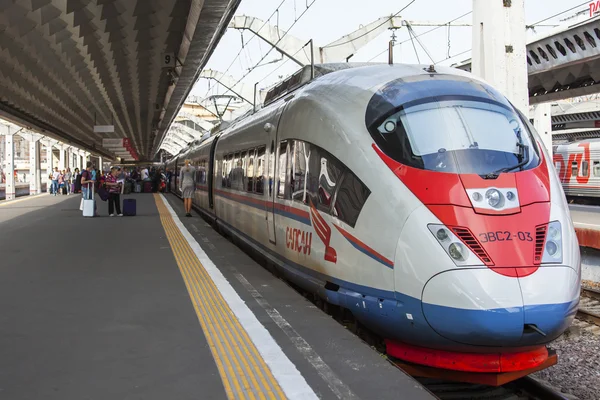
(329, 174)
(237, 174)
(250, 172)
(596, 168)
(350, 199)
(282, 169)
(584, 168)
(229, 167)
(574, 168)
(300, 170)
(224, 172)
(260, 170)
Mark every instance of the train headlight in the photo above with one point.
(441, 234)
(453, 246)
(457, 251)
(553, 244)
(494, 198)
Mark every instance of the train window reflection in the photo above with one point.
(457, 136)
(300, 171)
(260, 170)
(350, 199)
(329, 175)
(574, 168)
(237, 173)
(282, 169)
(229, 167)
(596, 168)
(584, 168)
(250, 172)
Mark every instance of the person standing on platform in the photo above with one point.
(55, 176)
(77, 181)
(187, 182)
(114, 193)
(68, 180)
(87, 183)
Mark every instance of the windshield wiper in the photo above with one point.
(523, 157)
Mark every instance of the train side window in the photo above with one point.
(237, 174)
(260, 170)
(574, 168)
(282, 169)
(224, 172)
(596, 168)
(299, 171)
(585, 168)
(330, 172)
(229, 167)
(350, 199)
(250, 172)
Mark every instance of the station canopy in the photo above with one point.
(81, 71)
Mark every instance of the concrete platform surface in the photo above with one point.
(110, 308)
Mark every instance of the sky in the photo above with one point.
(327, 20)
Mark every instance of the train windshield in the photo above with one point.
(457, 134)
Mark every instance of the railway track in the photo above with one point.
(589, 306)
(526, 388)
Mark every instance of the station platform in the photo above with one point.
(157, 306)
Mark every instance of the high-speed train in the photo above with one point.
(578, 166)
(419, 199)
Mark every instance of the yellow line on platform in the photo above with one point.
(243, 371)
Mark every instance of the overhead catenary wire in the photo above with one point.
(556, 15)
(366, 33)
(273, 47)
(422, 34)
(242, 49)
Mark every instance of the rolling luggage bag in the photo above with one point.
(129, 207)
(138, 188)
(89, 206)
(147, 187)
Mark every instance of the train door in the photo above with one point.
(272, 128)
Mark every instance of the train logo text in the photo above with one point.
(298, 240)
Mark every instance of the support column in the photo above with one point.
(50, 163)
(35, 185)
(542, 121)
(499, 48)
(10, 165)
(61, 157)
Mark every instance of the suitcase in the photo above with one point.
(129, 207)
(147, 187)
(64, 190)
(89, 206)
(138, 188)
(127, 188)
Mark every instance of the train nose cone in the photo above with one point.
(475, 307)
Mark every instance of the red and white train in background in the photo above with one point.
(420, 200)
(578, 167)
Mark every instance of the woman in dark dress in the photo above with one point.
(77, 180)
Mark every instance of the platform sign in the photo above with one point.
(108, 143)
(168, 60)
(104, 128)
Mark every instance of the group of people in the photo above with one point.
(107, 185)
(64, 181)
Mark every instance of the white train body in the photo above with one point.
(362, 229)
